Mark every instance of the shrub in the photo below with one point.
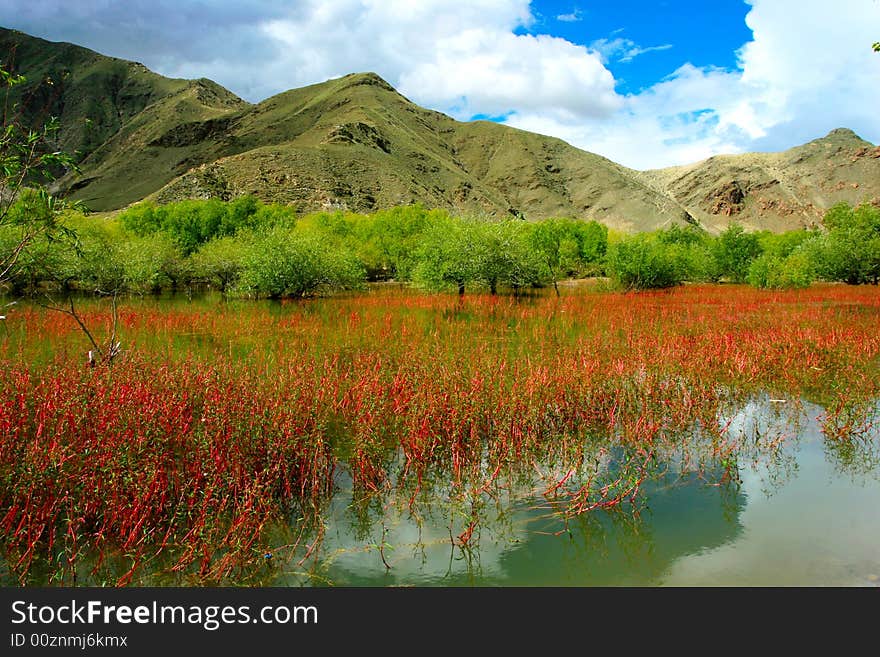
(850, 252)
(643, 262)
(152, 263)
(220, 262)
(734, 251)
(193, 223)
(770, 271)
(449, 255)
(281, 263)
(568, 247)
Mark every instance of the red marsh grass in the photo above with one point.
(222, 420)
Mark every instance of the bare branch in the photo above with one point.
(71, 311)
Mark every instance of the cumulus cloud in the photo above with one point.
(463, 59)
(172, 37)
(460, 56)
(674, 122)
(495, 73)
(808, 69)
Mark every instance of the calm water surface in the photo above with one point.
(803, 513)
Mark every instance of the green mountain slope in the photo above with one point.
(356, 143)
(95, 96)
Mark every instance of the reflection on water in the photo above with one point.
(800, 515)
(819, 525)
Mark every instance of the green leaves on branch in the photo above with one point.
(847, 251)
(769, 271)
(644, 262)
(850, 251)
(193, 223)
(460, 253)
(247, 248)
(219, 263)
(734, 251)
(568, 247)
(28, 212)
(282, 263)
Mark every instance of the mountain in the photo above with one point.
(777, 191)
(354, 142)
(106, 108)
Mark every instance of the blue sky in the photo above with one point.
(647, 84)
(646, 41)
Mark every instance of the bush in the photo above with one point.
(505, 257)
(388, 241)
(448, 255)
(281, 263)
(106, 259)
(734, 251)
(193, 223)
(96, 264)
(644, 262)
(691, 247)
(220, 262)
(568, 247)
(850, 251)
(770, 271)
(151, 264)
(456, 253)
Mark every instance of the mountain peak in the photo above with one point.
(838, 139)
(842, 134)
(367, 78)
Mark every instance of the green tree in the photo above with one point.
(28, 162)
(506, 258)
(850, 251)
(643, 262)
(782, 245)
(97, 264)
(568, 247)
(450, 254)
(795, 270)
(151, 264)
(192, 223)
(690, 247)
(734, 251)
(281, 263)
(389, 239)
(220, 262)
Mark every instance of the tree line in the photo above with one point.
(846, 248)
(248, 248)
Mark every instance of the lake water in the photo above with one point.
(805, 512)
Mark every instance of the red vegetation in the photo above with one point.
(220, 422)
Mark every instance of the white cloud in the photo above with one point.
(573, 17)
(623, 50)
(632, 53)
(808, 69)
(463, 59)
(495, 73)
